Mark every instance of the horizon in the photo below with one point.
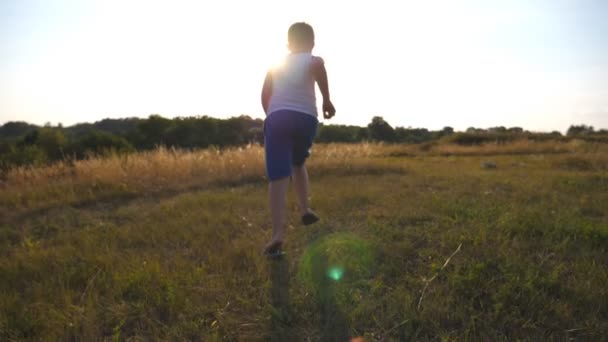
(542, 66)
(326, 123)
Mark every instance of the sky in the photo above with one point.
(537, 64)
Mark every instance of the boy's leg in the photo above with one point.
(278, 148)
(277, 193)
(301, 185)
(307, 128)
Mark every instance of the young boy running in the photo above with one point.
(288, 99)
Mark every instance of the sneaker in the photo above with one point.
(274, 250)
(309, 218)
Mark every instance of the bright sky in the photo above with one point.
(541, 65)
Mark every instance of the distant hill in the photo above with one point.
(15, 129)
(113, 126)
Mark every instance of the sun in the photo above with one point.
(277, 64)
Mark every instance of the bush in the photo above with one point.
(339, 133)
(28, 155)
(100, 143)
(481, 138)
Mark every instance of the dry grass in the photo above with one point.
(151, 172)
(163, 169)
(517, 147)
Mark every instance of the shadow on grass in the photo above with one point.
(281, 322)
(332, 323)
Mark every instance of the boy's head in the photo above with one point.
(301, 37)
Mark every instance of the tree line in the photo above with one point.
(26, 144)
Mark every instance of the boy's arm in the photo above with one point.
(267, 91)
(320, 75)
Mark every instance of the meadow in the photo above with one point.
(434, 241)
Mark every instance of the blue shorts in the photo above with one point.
(288, 137)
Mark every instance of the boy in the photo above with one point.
(288, 99)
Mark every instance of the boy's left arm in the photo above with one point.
(267, 91)
(320, 75)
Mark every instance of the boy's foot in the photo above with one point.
(309, 218)
(274, 249)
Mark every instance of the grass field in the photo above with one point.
(423, 242)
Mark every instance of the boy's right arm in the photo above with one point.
(320, 75)
(267, 91)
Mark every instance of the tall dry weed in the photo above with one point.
(164, 169)
(159, 170)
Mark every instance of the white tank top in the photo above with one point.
(293, 86)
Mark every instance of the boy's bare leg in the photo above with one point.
(277, 193)
(300, 182)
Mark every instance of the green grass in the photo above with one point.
(186, 265)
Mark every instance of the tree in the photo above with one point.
(15, 129)
(517, 130)
(50, 140)
(362, 134)
(412, 135)
(153, 131)
(338, 133)
(575, 130)
(447, 130)
(99, 142)
(498, 129)
(380, 130)
(184, 133)
(555, 134)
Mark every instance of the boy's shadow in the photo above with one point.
(281, 320)
(332, 323)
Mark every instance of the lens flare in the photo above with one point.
(335, 273)
(341, 258)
